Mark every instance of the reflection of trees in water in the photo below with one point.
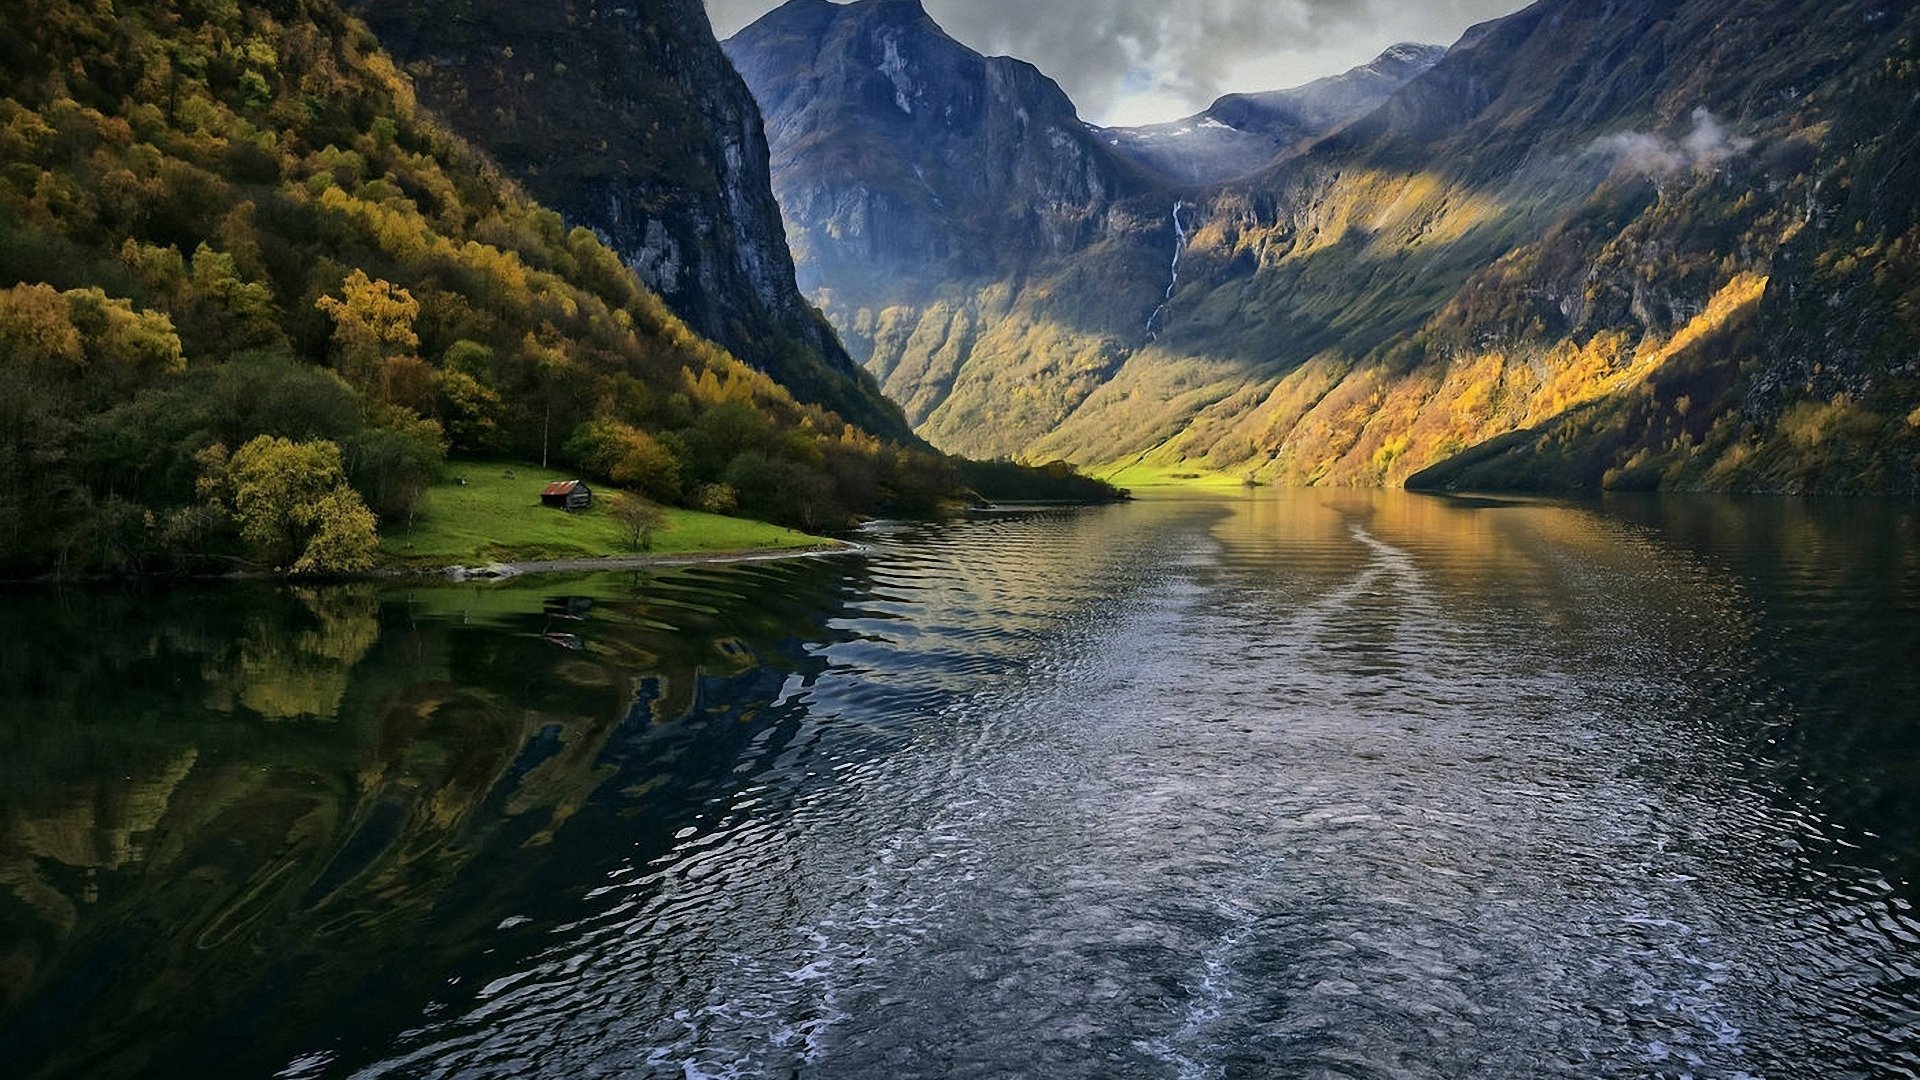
(286, 670)
(164, 837)
(95, 830)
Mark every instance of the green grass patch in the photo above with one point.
(1138, 476)
(496, 516)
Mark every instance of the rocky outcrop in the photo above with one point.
(628, 119)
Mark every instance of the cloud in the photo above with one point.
(1703, 149)
(1131, 61)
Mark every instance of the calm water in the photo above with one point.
(1297, 784)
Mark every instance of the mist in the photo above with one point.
(1708, 145)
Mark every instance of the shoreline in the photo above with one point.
(496, 571)
(503, 571)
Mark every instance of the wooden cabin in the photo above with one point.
(568, 495)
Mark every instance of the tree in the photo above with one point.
(393, 462)
(716, 499)
(343, 537)
(723, 432)
(639, 519)
(372, 322)
(66, 358)
(295, 508)
(627, 456)
(237, 312)
(471, 409)
(35, 328)
(85, 339)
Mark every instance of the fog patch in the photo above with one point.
(1704, 149)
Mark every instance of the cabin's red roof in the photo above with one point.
(560, 487)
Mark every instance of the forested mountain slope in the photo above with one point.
(629, 120)
(223, 225)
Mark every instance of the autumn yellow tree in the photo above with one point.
(295, 508)
(372, 325)
(85, 333)
(627, 456)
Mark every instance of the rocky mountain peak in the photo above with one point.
(1408, 58)
(1241, 133)
(900, 153)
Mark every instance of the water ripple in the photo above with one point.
(1315, 785)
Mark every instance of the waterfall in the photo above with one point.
(1154, 321)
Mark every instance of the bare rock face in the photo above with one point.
(904, 158)
(627, 118)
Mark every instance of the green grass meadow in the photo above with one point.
(1138, 476)
(496, 516)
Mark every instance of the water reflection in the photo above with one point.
(1830, 590)
(228, 813)
(1297, 783)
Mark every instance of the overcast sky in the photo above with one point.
(1141, 61)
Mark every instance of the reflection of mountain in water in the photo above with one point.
(232, 806)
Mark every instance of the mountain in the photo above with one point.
(251, 296)
(1648, 243)
(629, 120)
(883, 124)
(1813, 383)
(1242, 133)
(913, 173)
(1579, 211)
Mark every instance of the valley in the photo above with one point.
(1573, 251)
(536, 542)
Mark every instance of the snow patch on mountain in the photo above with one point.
(894, 67)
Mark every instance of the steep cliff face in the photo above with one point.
(628, 119)
(901, 151)
(1243, 133)
(1579, 205)
(917, 178)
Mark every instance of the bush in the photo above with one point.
(716, 499)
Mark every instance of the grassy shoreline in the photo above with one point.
(489, 513)
(502, 571)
